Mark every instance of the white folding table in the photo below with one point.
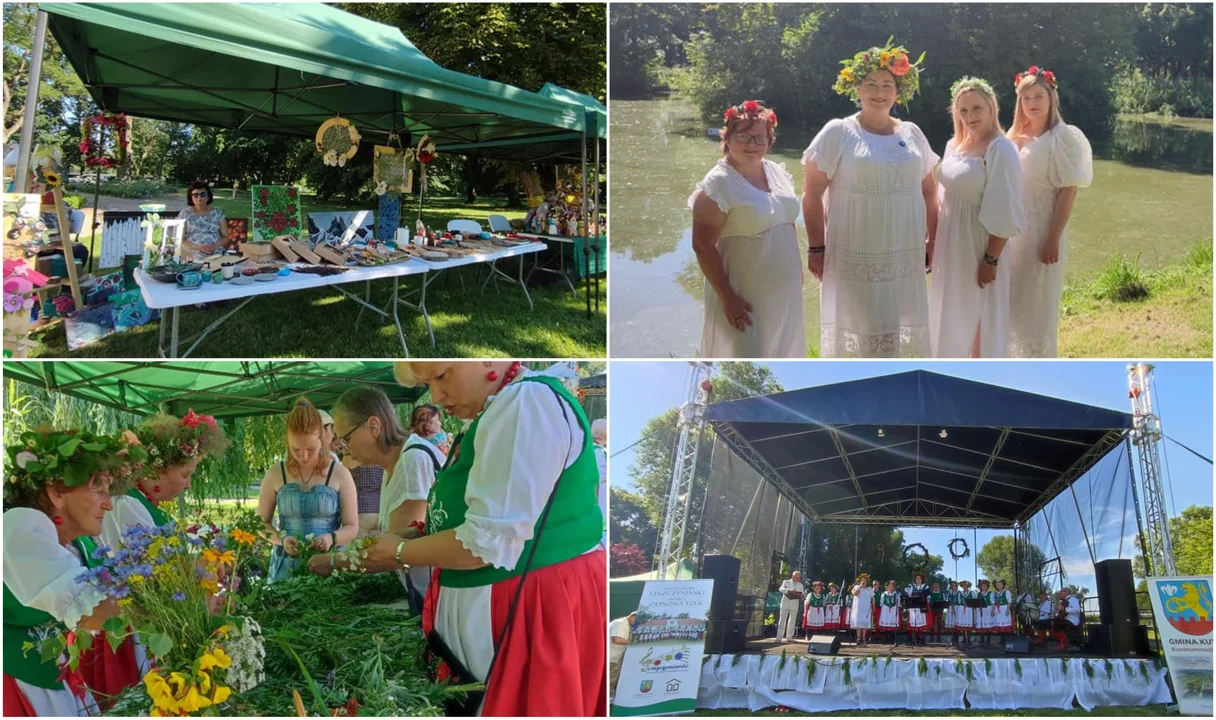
(168, 298)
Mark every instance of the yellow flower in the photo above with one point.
(883, 58)
(209, 585)
(242, 537)
(204, 682)
(125, 602)
(215, 658)
(135, 579)
(221, 694)
(227, 558)
(193, 701)
(225, 629)
(52, 178)
(155, 548)
(158, 688)
(173, 541)
(847, 74)
(211, 555)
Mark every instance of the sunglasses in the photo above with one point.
(198, 194)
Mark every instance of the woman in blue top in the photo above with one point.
(314, 495)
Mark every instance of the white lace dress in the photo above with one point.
(1060, 157)
(979, 195)
(759, 248)
(873, 300)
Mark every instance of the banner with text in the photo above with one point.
(1183, 609)
(661, 670)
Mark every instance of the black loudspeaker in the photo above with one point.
(1118, 640)
(823, 644)
(1017, 645)
(1116, 593)
(724, 571)
(725, 637)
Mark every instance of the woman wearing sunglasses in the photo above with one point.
(743, 216)
(206, 228)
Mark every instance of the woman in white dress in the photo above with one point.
(743, 233)
(981, 208)
(889, 613)
(870, 206)
(1002, 610)
(861, 612)
(964, 617)
(816, 606)
(983, 620)
(1056, 161)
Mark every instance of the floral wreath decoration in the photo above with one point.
(93, 149)
(337, 141)
(750, 110)
(1048, 76)
(892, 58)
(73, 457)
(968, 82)
(170, 441)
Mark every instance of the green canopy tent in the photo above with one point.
(562, 148)
(225, 389)
(286, 68)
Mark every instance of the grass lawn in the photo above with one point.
(1107, 711)
(322, 324)
(1174, 320)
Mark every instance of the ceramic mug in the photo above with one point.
(229, 271)
(207, 276)
(217, 278)
(190, 279)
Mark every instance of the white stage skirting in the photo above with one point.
(756, 682)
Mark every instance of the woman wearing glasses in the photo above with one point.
(513, 531)
(743, 233)
(206, 228)
(314, 495)
(367, 428)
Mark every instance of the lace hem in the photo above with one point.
(873, 267)
(907, 342)
(486, 544)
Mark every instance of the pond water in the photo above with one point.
(1151, 200)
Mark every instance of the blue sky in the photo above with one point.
(640, 390)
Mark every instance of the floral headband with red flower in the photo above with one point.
(171, 441)
(750, 110)
(1048, 76)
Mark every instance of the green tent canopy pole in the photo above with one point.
(582, 212)
(21, 181)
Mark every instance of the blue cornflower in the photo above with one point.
(179, 596)
(101, 551)
(195, 541)
(219, 542)
(120, 591)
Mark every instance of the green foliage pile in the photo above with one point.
(126, 188)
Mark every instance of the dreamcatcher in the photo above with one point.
(337, 141)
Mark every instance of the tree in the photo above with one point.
(625, 560)
(629, 524)
(996, 561)
(1191, 535)
(652, 465)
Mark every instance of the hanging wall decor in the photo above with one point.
(425, 154)
(105, 140)
(121, 234)
(238, 232)
(337, 141)
(389, 216)
(393, 170)
(276, 211)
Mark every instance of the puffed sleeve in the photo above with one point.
(827, 147)
(1002, 212)
(127, 512)
(1072, 159)
(41, 573)
(523, 443)
(715, 187)
(929, 159)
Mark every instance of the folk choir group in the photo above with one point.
(968, 616)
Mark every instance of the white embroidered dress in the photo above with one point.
(873, 300)
(759, 248)
(979, 195)
(1060, 157)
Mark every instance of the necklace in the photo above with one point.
(511, 373)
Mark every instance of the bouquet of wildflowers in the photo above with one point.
(176, 586)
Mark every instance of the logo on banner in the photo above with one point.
(665, 662)
(646, 685)
(1187, 605)
(673, 686)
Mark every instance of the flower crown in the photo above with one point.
(893, 59)
(171, 441)
(966, 83)
(1048, 76)
(72, 457)
(750, 110)
(862, 578)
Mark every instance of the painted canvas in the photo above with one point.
(389, 217)
(341, 228)
(131, 311)
(89, 325)
(394, 168)
(238, 232)
(276, 211)
(120, 232)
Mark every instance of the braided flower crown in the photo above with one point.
(750, 110)
(73, 457)
(966, 83)
(1048, 76)
(892, 58)
(171, 441)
